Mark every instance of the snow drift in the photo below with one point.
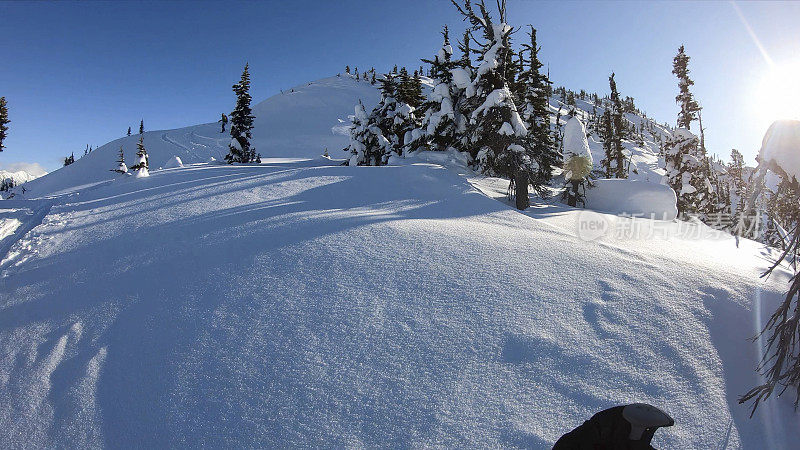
(781, 146)
(632, 198)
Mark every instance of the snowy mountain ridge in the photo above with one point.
(304, 122)
(18, 177)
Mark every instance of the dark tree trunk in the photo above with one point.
(521, 194)
(572, 199)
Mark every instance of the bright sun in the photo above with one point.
(778, 94)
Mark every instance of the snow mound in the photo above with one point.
(173, 163)
(633, 198)
(575, 142)
(781, 146)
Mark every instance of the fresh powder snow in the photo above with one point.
(300, 303)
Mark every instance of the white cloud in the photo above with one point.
(34, 169)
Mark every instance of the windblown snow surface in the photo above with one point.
(306, 305)
(298, 303)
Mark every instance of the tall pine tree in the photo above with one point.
(536, 110)
(3, 122)
(241, 120)
(614, 131)
(689, 107)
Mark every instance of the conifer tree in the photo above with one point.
(497, 136)
(142, 166)
(121, 166)
(736, 179)
(605, 130)
(129, 131)
(141, 127)
(69, 159)
(3, 122)
(439, 129)
(393, 115)
(466, 51)
(536, 109)
(368, 146)
(241, 124)
(615, 130)
(689, 107)
(688, 173)
(463, 90)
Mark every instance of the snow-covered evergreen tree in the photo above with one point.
(129, 131)
(141, 127)
(142, 166)
(3, 122)
(736, 173)
(689, 107)
(439, 129)
(688, 174)
(497, 137)
(241, 121)
(404, 132)
(121, 167)
(535, 109)
(462, 90)
(368, 146)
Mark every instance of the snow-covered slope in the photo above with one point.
(301, 123)
(645, 162)
(298, 123)
(303, 305)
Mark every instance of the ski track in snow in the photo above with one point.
(290, 304)
(14, 247)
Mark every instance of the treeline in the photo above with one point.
(491, 99)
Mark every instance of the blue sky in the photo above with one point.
(82, 73)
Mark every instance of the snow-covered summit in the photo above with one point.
(300, 122)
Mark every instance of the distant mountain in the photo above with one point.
(18, 177)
